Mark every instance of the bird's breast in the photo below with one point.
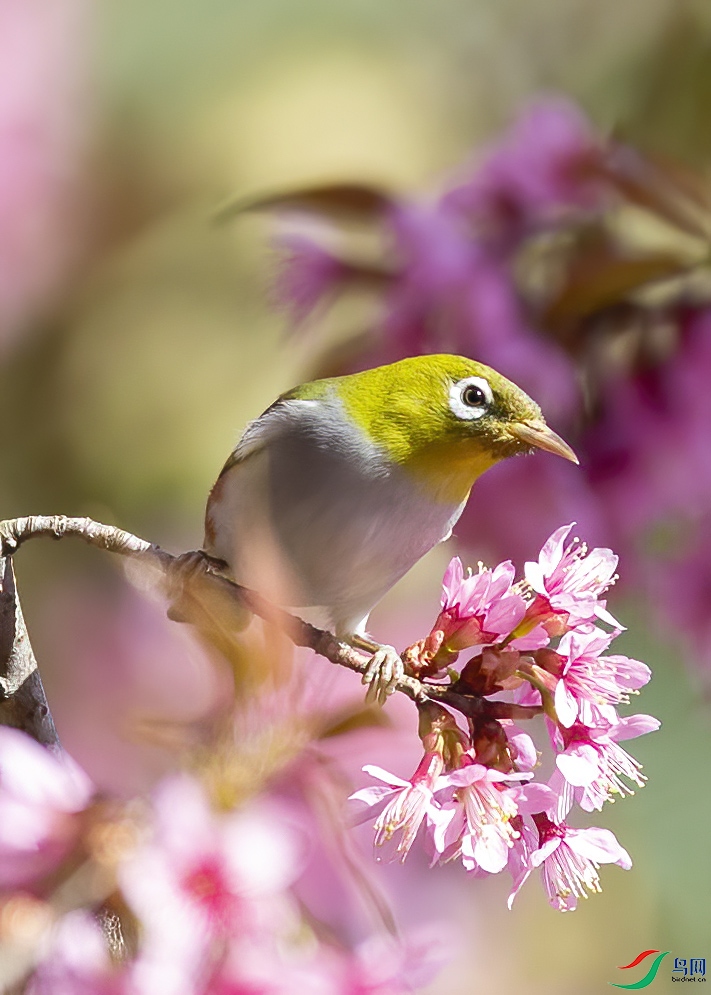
(312, 522)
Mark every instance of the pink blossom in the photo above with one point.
(592, 766)
(201, 878)
(480, 608)
(41, 795)
(383, 966)
(533, 799)
(652, 430)
(681, 585)
(538, 169)
(476, 823)
(378, 966)
(76, 961)
(307, 275)
(569, 860)
(401, 806)
(523, 749)
(571, 579)
(589, 681)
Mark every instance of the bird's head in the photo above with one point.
(446, 419)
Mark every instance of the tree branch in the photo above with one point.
(23, 703)
(192, 581)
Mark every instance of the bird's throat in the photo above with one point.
(447, 470)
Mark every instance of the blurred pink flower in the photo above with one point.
(41, 794)
(384, 966)
(128, 674)
(682, 585)
(306, 276)
(76, 961)
(43, 115)
(379, 966)
(202, 879)
(569, 859)
(439, 274)
(649, 448)
(538, 169)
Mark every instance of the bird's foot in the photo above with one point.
(186, 569)
(385, 668)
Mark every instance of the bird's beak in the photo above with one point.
(536, 433)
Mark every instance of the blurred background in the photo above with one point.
(138, 335)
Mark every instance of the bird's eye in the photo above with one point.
(471, 398)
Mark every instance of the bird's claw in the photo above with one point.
(384, 670)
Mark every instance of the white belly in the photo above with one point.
(304, 525)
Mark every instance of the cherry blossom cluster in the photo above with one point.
(537, 647)
(202, 889)
(206, 894)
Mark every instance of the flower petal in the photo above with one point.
(386, 776)
(565, 705)
(599, 845)
(578, 767)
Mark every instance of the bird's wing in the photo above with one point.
(270, 425)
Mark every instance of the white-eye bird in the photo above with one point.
(341, 486)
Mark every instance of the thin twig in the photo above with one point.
(188, 574)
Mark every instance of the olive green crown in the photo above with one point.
(404, 407)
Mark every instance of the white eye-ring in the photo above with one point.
(470, 398)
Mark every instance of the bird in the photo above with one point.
(343, 484)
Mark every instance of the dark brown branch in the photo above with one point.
(23, 704)
(192, 580)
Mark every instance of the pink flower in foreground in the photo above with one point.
(76, 961)
(589, 681)
(571, 579)
(383, 966)
(402, 805)
(477, 822)
(41, 794)
(201, 879)
(592, 766)
(569, 860)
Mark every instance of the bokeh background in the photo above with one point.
(137, 336)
